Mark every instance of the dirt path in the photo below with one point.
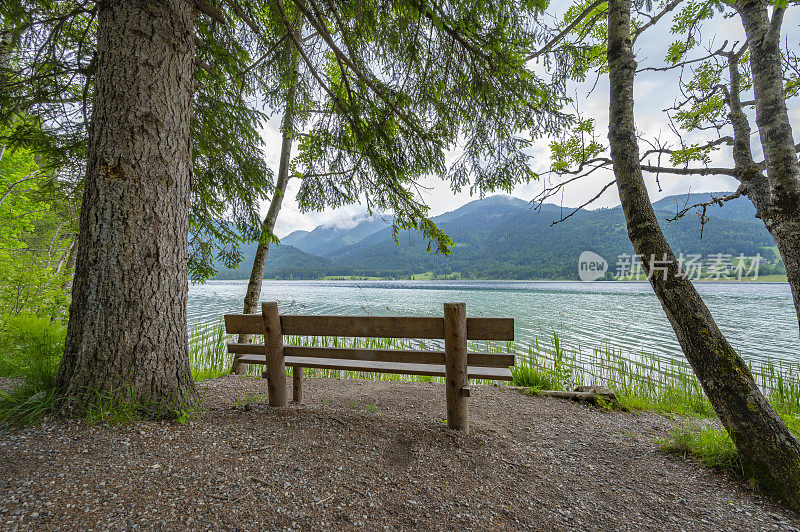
(338, 462)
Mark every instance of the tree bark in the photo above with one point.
(767, 448)
(127, 332)
(268, 225)
(777, 199)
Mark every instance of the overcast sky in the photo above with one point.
(653, 92)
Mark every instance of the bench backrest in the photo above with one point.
(427, 328)
(374, 327)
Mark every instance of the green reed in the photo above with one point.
(640, 380)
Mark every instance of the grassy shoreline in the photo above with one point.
(429, 276)
(641, 381)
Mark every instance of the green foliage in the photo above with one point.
(46, 90)
(677, 50)
(251, 398)
(27, 288)
(708, 106)
(687, 21)
(384, 90)
(107, 408)
(230, 174)
(35, 237)
(528, 375)
(208, 352)
(691, 153)
(584, 49)
(30, 350)
(579, 146)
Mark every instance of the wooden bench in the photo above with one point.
(454, 363)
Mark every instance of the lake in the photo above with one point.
(757, 318)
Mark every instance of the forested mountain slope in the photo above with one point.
(501, 237)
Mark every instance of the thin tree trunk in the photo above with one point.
(260, 261)
(127, 333)
(65, 255)
(768, 450)
(70, 265)
(781, 211)
(53, 244)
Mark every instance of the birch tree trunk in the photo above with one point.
(781, 211)
(70, 265)
(268, 225)
(127, 332)
(767, 448)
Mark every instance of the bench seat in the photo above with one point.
(404, 368)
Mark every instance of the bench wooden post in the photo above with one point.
(297, 384)
(455, 365)
(273, 344)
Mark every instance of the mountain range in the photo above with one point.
(503, 237)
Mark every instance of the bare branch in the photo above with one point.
(654, 20)
(691, 171)
(211, 10)
(30, 177)
(682, 64)
(585, 13)
(234, 5)
(703, 206)
(202, 64)
(262, 58)
(581, 207)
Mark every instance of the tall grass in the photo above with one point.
(32, 348)
(208, 352)
(644, 382)
(711, 445)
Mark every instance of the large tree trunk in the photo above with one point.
(127, 333)
(778, 199)
(768, 450)
(260, 261)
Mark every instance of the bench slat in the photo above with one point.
(372, 326)
(433, 370)
(494, 360)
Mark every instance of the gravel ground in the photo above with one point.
(6, 384)
(373, 455)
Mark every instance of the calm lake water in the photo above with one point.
(757, 318)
